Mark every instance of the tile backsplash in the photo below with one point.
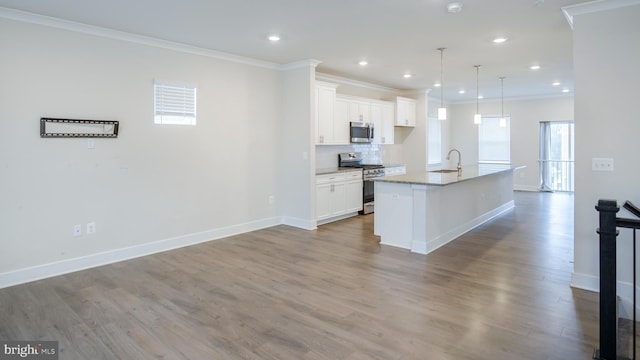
(327, 155)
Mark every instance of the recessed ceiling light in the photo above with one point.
(556, 83)
(363, 63)
(480, 97)
(461, 92)
(454, 7)
(274, 38)
(500, 40)
(535, 67)
(565, 90)
(437, 84)
(406, 76)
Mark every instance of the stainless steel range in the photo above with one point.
(369, 172)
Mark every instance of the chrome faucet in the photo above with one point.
(459, 158)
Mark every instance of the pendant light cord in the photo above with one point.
(441, 77)
(502, 96)
(477, 89)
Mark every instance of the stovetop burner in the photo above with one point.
(354, 159)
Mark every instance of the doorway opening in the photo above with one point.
(557, 141)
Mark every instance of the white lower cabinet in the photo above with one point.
(391, 170)
(338, 194)
(353, 192)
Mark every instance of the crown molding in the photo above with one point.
(300, 64)
(28, 17)
(511, 98)
(346, 81)
(593, 7)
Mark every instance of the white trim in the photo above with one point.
(585, 282)
(513, 98)
(336, 218)
(43, 271)
(28, 17)
(594, 6)
(517, 187)
(299, 223)
(346, 81)
(624, 291)
(421, 247)
(300, 64)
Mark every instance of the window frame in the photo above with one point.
(495, 118)
(174, 104)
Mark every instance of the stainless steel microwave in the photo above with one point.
(361, 132)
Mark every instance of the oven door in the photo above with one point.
(367, 196)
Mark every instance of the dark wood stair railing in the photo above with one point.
(608, 232)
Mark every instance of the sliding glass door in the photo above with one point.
(557, 141)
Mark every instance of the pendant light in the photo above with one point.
(503, 121)
(442, 111)
(477, 118)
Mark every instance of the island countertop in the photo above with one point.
(439, 179)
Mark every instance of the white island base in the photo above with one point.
(426, 211)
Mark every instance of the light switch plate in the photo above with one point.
(91, 228)
(601, 164)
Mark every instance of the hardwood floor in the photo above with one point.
(499, 292)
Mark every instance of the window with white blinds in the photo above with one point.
(174, 104)
(494, 140)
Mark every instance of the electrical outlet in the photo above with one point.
(601, 164)
(91, 228)
(91, 143)
(272, 199)
(77, 230)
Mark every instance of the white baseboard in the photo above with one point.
(43, 271)
(336, 218)
(422, 247)
(585, 282)
(300, 223)
(517, 187)
(625, 293)
(624, 290)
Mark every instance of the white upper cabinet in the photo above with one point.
(329, 129)
(382, 113)
(359, 111)
(405, 112)
(378, 113)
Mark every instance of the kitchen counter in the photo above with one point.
(439, 179)
(424, 211)
(334, 170)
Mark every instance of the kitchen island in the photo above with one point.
(424, 211)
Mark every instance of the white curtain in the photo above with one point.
(545, 151)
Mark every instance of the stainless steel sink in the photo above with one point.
(444, 171)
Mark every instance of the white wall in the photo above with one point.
(415, 139)
(525, 122)
(445, 129)
(153, 182)
(606, 58)
(296, 163)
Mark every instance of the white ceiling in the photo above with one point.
(394, 36)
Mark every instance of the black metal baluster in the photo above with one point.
(608, 321)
